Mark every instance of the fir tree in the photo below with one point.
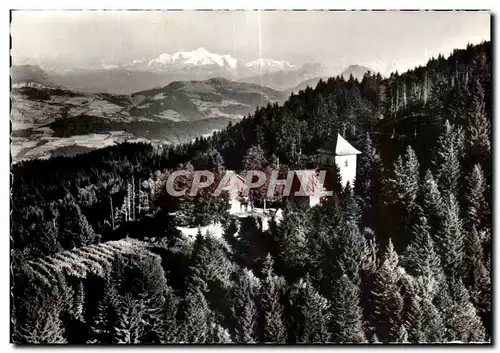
(351, 251)
(274, 326)
(462, 321)
(47, 328)
(431, 202)
(79, 301)
(387, 298)
(477, 208)
(244, 310)
(315, 314)
(166, 328)
(368, 276)
(447, 163)
(478, 126)
(451, 238)
(195, 314)
(431, 326)
(346, 315)
(100, 330)
(420, 257)
(475, 274)
(403, 184)
(129, 323)
(368, 181)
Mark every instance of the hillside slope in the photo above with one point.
(48, 120)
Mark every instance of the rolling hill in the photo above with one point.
(48, 120)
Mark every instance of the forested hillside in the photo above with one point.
(403, 256)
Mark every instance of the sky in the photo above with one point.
(374, 39)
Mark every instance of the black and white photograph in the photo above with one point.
(239, 177)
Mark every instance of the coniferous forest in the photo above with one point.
(402, 256)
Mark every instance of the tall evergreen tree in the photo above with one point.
(351, 251)
(420, 258)
(346, 315)
(477, 209)
(368, 182)
(274, 325)
(461, 320)
(166, 328)
(195, 313)
(387, 298)
(244, 310)
(431, 202)
(129, 323)
(401, 196)
(451, 238)
(478, 129)
(315, 314)
(449, 154)
(476, 274)
(101, 328)
(432, 325)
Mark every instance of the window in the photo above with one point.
(345, 163)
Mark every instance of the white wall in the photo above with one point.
(347, 173)
(235, 206)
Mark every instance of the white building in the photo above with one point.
(341, 153)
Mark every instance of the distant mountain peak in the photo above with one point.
(28, 74)
(268, 65)
(197, 57)
(357, 71)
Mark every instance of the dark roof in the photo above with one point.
(339, 146)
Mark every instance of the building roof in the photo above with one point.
(338, 146)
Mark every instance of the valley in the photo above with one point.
(47, 120)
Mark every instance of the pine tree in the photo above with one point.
(351, 251)
(449, 153)
(100, 328)
(432, 326)
(478, 129)
(420, 257)
(387, 298)
(244, 311)
(346, 315)
(462, 321)
(368, 276)
(368, 181)
(403, 184)
(314, 314)
(274, 325)
(477, 208)
(195, 314)
(475, 274)
(129, 323)
(166, 328)
(254, 159)
(47, 328)
(401, 190)
(79, 301)
(451, 238)
(431, 202)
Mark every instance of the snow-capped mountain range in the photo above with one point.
(268, 65)
(198, 57)
(202, 58)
